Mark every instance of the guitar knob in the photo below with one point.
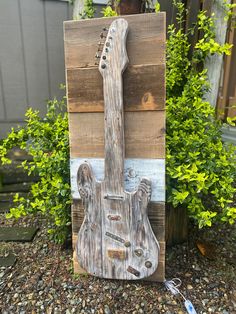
(138, 252)
(127, 244)
(148, 264)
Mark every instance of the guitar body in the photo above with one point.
(115, 239)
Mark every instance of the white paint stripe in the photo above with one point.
(135, 169)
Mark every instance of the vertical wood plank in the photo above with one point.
(12, 60)
(35, 52)
(213, 63)
(193, 7)
(166, 6)
(2, 99)
(55, 15)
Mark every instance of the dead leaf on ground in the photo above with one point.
(207, 249)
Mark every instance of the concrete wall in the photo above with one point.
(31, 56)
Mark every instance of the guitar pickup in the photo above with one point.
(117, 254)
(114, 197)
(133, 271)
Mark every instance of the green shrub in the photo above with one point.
(47, 141)
(201, 170)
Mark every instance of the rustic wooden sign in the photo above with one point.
(144, 124)
(115, 239)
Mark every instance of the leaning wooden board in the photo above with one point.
(144, 105)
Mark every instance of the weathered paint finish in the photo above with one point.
(135, 250)
(132, 233)
(134, 170)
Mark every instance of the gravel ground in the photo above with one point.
(42, 280)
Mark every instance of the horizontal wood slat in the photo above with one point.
(144, 89)
(134, 171)
(145, 51)
(145, 41)
(156, 214)
(140, 26)
(144, 134)
(157, 276)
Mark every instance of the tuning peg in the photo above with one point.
(97, 56)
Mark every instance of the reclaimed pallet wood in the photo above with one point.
(14, 173)
(144, 99)
(156, 214)
(16, 187)
(144, 134)
(143, 89)
(115, 239)
(134, 170)
(145, 41)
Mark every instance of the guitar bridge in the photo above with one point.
(114, 197)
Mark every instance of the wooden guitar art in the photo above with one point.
(115, 239)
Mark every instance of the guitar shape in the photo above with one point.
(115, 239)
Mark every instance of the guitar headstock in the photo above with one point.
(114, 55)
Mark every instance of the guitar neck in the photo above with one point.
(114, 133)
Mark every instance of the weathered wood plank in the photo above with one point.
(55, 13)
(13, 77)
(145, 51)
(157, 276)
(34, 40)
(115, 239)
(140, 26)
(213, 63)
(145, 41)
(16, 187)
(143, 89)
(156, 214)
(134, 170)
(144, 134)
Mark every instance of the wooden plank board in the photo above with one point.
(145, 41)
(55, 13)
(135, 169)
(156, 214)
(232, 107)
(35, 53)
(143, 89)
(144, 134)
(13, 77)
(144, 97)
(157, 276)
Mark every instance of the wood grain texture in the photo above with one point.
(144, 134)
(156, 214)
(144, 106)
(134, 170)
(145, 41)
(115, 239)
(158, 276)
(130, 235)
(144, 89)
